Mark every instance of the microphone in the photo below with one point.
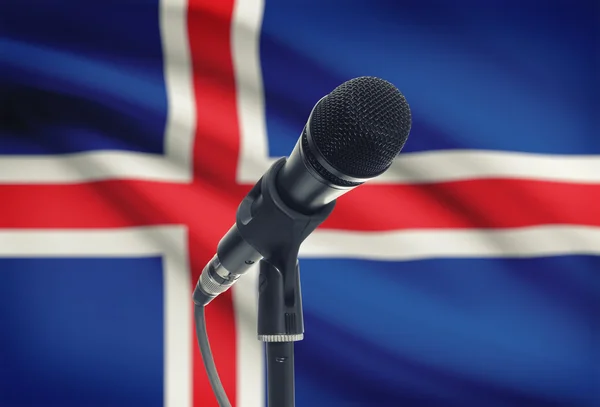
(352, 135)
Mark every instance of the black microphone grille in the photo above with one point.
(361, 126)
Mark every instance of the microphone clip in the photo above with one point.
(276, 231)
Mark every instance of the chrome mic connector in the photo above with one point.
(215, 279)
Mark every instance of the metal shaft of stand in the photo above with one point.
(280, 374)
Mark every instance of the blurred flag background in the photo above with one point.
(130, 130)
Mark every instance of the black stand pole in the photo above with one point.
(276, 231)
(280, 324)
(280, 373)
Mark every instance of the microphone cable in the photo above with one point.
(207, 357)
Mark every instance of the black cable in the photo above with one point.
(207, 357)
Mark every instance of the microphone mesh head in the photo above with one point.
(361, 126)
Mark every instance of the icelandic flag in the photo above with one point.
(468, 275)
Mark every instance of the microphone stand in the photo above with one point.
(276, 231)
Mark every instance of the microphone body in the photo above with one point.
(266, 227)
(352, 135)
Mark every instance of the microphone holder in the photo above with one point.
(276, 231)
